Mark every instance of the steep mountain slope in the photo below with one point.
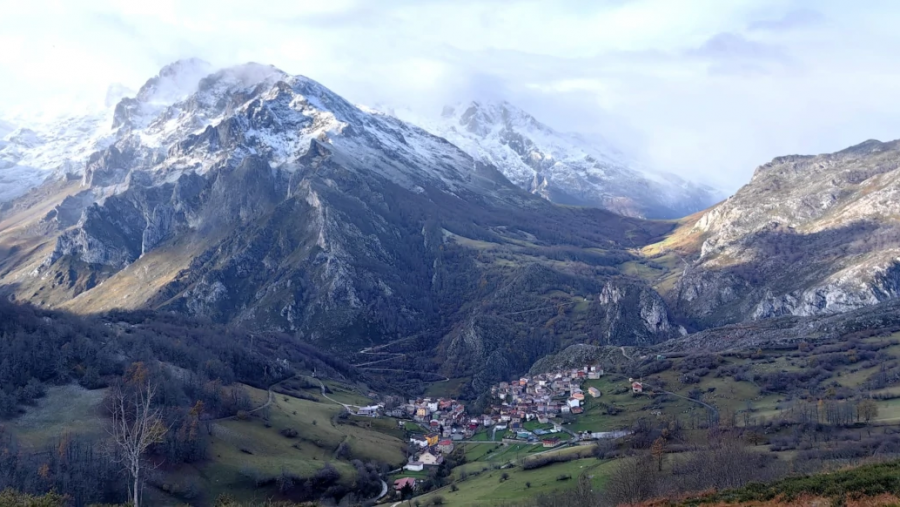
(808, 235)
(266, 199)
(563, 168)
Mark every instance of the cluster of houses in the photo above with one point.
(542, 397)
(445, 422)
(442, 416)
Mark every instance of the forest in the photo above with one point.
(196, 369)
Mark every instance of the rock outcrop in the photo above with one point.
(809, 235)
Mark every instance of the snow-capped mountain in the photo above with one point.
(33, 149)
(264, 198)
(564, 168)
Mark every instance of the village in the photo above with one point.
(529, 409)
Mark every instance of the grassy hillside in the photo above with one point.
(870, 485)
(247, 454)
(746, 388)
(484, 486)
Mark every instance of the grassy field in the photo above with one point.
(65, 409)
(447, 388)
(595, 416)
(346, 394)
(731, 398)
(487, 489)
(499, 453)
(243, 452)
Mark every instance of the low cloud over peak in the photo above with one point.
(706, 89)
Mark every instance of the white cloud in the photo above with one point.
(705, 88)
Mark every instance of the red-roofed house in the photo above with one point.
(404, 482)
(550, 442)
(445, 446)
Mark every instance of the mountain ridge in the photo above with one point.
(267, 200)
(829, 221)
(561, 167)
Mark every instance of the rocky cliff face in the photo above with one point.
(563, 168)
(264, 198)
(808, 235)
(634, 315)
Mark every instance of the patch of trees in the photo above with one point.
(546, 460)
(700, 362)
(75, 466)
(789, 381)
(40, 348)
(194, 369)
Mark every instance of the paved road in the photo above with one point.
(384, 491)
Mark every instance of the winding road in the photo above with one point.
(269, 400)
(329, 398)
(713, 409)
(384, 491)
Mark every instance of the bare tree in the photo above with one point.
(136, 423)
(868, 410)
(658, 450)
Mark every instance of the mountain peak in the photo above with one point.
(174, 82)
(866, 147)
(116, 92)
(246, 75)
(481, 117)
(562, 167)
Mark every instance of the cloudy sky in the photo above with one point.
(708, 89)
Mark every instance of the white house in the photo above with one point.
(415, 466)
(426, 458)
(432, 406)
(573, 402)
(420, 441)
(371, 411)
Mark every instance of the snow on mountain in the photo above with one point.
(261, 110)
(257, 110)
(48, 146)
(5, 129)
(180, 120)
(564, 168)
